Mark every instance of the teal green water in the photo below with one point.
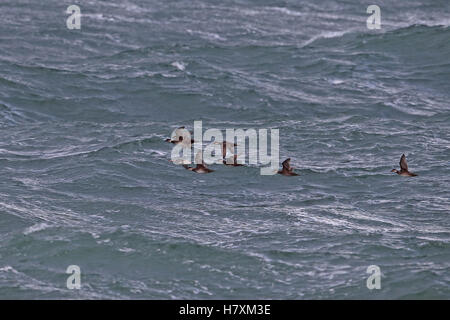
(85, 176)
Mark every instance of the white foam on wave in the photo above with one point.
(288, 11)
(337, 81)
(98, 16)
(207, 35)
(327, 35)
(179, 65)
(8, 269)
(35, 228)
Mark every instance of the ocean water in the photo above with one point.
(86, 178)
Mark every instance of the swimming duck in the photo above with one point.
(201, 166)
(404, 168)
(287, 169)
(230, 146)
(233, 163)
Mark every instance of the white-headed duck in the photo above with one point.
(179, 135)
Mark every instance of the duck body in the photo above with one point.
(287, 169)
(287, 173)
(200, 168)
(404, 173)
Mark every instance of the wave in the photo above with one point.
(361, 35)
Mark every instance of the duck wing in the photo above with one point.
(403, 163)
(286, 164)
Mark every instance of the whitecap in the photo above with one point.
(179, 65)
(8, 269)
(35, 228)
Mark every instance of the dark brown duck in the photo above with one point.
(404, 168)
(200, 168)
(287, 169)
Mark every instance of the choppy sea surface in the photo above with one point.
(86, 178)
